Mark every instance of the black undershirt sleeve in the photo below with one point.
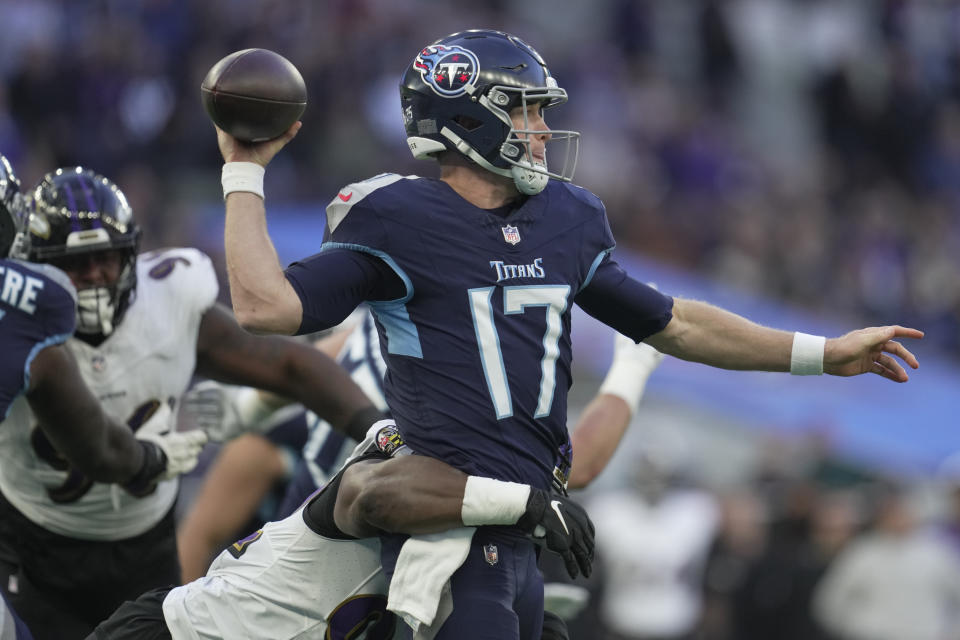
(331, 284)
(318, 513)
(631, 307)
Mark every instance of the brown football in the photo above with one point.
(254, 94)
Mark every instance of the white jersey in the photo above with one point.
(284, 582)
(149, 357)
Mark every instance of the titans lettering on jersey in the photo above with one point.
(508, 271)
(37, 309)
(478, 350)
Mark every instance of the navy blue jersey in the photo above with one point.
(37, 309)
(478, 346)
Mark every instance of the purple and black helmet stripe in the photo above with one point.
(72, 207)
(88, 194)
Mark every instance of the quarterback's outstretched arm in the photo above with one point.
(263, 300)
(704, 333)
(700, 332)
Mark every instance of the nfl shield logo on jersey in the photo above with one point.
(511, 234)
(490, 554)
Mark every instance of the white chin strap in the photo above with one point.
(529, 181)
(95, 311)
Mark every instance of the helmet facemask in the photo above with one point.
(530, 175)
(100, 308)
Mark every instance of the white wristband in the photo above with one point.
(242, 176)
(806, 358)
(488, 501)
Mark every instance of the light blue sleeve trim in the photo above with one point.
(403, 339)
(593, 268)
(37, 348)
(407, 283)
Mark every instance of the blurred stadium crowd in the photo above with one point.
(800, 546)
(804, 150)
(807, 150)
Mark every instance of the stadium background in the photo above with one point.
(797, 161)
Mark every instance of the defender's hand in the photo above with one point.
(181, 450)
(262, 153)
(865, 351)
(564, 526)
(225, 411)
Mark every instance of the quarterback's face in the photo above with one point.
(95, 269)
(531, 119)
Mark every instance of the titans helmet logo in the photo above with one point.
(448, 70)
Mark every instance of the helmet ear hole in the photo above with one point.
(467, 122)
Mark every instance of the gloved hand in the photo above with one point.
(166, 453)
(564, 526)
(225, 411)
(180, 449)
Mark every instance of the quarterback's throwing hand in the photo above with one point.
(871, 351)
(565, 528)
(262, 153)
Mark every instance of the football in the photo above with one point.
(254, 94)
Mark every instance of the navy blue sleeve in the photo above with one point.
(332, 283)
(38, 312)
(633, 308)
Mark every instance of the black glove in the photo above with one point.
(564, 526)
(554, 628)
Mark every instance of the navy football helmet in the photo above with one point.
(457, 95)
(76, 211)
(12, 214)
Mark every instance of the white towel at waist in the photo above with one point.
(421, 579)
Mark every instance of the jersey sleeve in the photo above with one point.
(596, 239)
(354, 264)
(43, 317)
(633, 308)
(354, 223)
(332, 283)
(58, 309)
(186, 276)
(352, 218)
